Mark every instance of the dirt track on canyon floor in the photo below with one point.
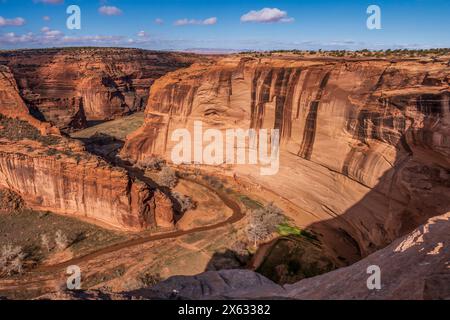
(33, 277)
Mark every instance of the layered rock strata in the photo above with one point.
(68, 181)
(415, 267)
(364, 144)
(68, 87)
(54, 173)
(13, 106)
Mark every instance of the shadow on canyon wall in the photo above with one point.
(103, 145)
(415, 189)
(108, 148)
(228, 259)
(405, 198)
(414, 267)
(41, 97)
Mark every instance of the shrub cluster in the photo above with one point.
(11, 260)
(263, 223)
(16, 130)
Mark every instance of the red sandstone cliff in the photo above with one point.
(365, 144)
(54, 173)
(13, 106)
(414, 267)
(69, 86)
(76, 184)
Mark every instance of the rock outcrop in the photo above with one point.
(13, 106)
(68, 87)
(65, 181)
(364, 144)
(415, 267)
(54, 173)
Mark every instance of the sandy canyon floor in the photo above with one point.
(205, 238)
(85, 180)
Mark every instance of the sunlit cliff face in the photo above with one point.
(71, 86)
(53, 173)
(364, 144)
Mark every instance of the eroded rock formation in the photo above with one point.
(68, 87)
(54, 173)
(13, 106)
(365, 144)
(414, 267)
(63, 180)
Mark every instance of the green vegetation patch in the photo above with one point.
(286, 229)
(213, 182)
(250, 203)
(118, 129)
(16, 130)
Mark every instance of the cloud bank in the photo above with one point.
(12, 22)
(267, 15)
(110, 11)
(206, 22)
(49, 1)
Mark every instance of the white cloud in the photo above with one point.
(51, 34)
(206, 22)
(142, 34)
(210, 21)
(12, 22)
(159, 21)
(11, 38)
(267, 15)
(183, 22)
(48, 37)
(110, 11)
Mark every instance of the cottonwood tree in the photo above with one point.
(256, 232)
(45, 242)
(167, 177)
(11, 260)
(185, 202)
(263, 223)
(152, 163)
(61, 241)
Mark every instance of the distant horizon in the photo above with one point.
(224, 51)
(235, 26)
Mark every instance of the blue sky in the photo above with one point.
(231, 24)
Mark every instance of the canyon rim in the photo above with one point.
(277, 168)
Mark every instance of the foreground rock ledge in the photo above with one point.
(416, 266)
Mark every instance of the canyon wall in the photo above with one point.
(73, 183)
(13, 106)
(76, 184)
(68, 87)
(364, 143)
(54, 173)
(414, 267)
